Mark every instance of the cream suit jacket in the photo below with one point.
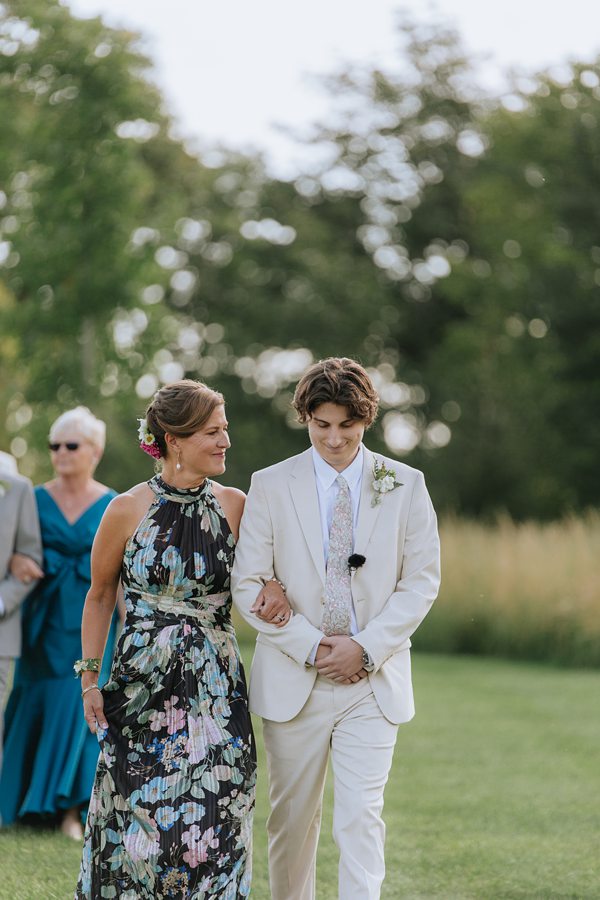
(19, 531)
(280, 534)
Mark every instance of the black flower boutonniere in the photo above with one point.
(355, 561)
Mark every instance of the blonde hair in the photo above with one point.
(181, 408)
(85, 422)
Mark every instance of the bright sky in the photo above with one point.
(232, 71)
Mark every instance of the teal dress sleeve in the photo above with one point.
(50, 756)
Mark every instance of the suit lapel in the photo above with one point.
(367, 513)
(303, 489)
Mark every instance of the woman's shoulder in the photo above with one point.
(231, 500)
(104, 493)
(103, 489)
(227, 491)
(45, 502)
(230, 495)
(127, 504)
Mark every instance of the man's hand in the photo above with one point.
(323, 650)
(343, 662)
(272, 605)
(24, 568)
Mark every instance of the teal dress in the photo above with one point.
(50, 756)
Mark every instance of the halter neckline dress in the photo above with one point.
(171, 812)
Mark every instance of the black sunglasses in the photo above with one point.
(70, 445)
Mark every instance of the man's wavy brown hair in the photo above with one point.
(337, 380)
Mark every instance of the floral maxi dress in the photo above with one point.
(171, 812)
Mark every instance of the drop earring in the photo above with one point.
(178, 463)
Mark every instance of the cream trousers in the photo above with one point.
(344, 722)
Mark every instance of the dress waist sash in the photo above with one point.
(167, 604)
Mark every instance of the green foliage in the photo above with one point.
(448, 242)
(75, 188)
(520, 362)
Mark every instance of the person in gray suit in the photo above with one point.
(20, 559)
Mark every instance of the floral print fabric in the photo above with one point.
(171, 812)
(338, 592)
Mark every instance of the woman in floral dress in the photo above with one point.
(171, 812)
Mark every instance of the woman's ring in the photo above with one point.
(280, 618)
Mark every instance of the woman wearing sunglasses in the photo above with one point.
(50, 757)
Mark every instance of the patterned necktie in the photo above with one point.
(338, 596)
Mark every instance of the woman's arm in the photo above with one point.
(116, 526)
(271, 603)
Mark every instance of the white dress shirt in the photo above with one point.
(327, 491)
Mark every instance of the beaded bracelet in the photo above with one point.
(91, 664)
(276, 580)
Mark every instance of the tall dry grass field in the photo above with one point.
(529, 591)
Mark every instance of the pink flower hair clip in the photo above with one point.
(147, 440)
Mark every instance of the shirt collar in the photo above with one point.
(326, 474)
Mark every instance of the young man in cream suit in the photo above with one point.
(20, 536)
(334, 681)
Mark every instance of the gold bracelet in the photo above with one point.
(92, 687)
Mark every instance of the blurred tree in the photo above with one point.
(76, 186)
(523, 367)
(448, 242)
(407, 147)
(341, 262)
(484, 218)
(89, 181)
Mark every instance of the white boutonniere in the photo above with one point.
(4, 487)
(384, 480)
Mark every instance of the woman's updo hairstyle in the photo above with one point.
(181, 408)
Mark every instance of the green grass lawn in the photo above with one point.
(494, 793)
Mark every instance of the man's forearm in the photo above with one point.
(296, 638)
